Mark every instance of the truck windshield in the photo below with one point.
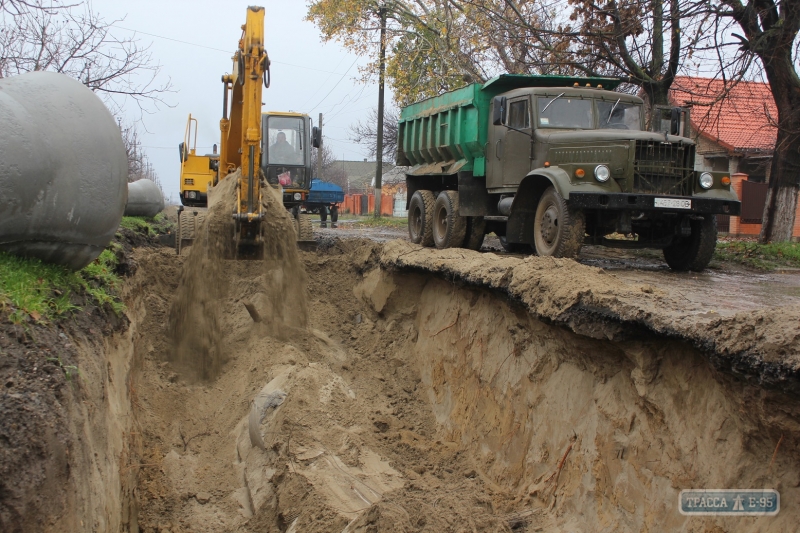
(565, 112)
(285, 140)
(618, 115)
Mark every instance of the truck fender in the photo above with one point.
(519, 228)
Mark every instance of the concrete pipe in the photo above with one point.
(64, 172)
(144, 199)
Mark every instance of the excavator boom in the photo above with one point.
(240, 127)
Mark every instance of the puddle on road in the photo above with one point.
(725, 292)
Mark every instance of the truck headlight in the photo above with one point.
(706, 180)
(298, 196)
(192, 195)
(601, 173)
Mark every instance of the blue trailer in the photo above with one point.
(324, 197)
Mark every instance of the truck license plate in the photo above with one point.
(673, 203)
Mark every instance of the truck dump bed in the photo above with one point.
(323, 192)
(447, 133)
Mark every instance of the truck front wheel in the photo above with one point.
(695, 251)
(420, 218)
(558, 230)
(449, 227)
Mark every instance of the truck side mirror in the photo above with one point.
(182, 151)
(499, 111)
(316, 137)
(675, 121)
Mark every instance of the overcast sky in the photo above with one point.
(307, 75)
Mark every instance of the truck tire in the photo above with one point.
(558, 230)
(323, 217)
(334, 215)
(695, 251)
(476, 231)
(305, 229)
(420, 218)
(189, 226)
(449, 227)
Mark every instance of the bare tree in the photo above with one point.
(74, 40)
(331, 172)
(365, 133)
(139, 166)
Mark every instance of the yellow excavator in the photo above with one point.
(246, 133)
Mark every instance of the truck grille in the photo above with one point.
(663, 168)
(574, 155)
(188, 181)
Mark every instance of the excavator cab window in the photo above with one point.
(286, 151)
(284, 141)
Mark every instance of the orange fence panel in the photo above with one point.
(387, 205)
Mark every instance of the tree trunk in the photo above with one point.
(781, 204)
(657, 94)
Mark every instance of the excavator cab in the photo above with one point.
(286, 142)
(198, 172)
(286, 159)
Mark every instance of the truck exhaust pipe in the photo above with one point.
(504, 205)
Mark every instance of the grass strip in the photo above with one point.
(760, 256)
(45, 291)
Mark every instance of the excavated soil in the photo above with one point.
(384, 387)
(389, 388)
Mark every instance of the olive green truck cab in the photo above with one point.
(549, 163)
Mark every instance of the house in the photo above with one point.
(360, 175)
(735, 133)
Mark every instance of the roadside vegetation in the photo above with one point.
(33, 289)
(147, 226)
(369, 221)
(46, 292)
(760, 256)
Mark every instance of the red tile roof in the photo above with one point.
(740, 122)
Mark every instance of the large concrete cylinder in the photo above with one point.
(63, 170)
(144, 199)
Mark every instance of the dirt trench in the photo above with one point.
(383, 387)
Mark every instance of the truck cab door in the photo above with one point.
(494, 153)
(517, 144)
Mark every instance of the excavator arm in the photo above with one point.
(240, 126)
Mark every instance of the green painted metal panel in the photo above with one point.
(448, 133)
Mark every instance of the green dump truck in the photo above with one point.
(549, 163)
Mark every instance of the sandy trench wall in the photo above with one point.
(594, 435)
(85, 481)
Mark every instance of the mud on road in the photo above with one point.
(724, 288)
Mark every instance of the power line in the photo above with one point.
(218, 49)
(321, 84)
(337, 84)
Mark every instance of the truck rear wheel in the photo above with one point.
(420, 218)
(449, 228)
(334, 215)
(476, 231)
(695, 251)
(558, 230)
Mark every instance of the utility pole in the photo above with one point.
(319, 150)
(382, 69)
